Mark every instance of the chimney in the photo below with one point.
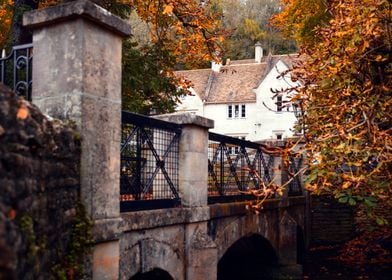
(216, 66)
(258, 52)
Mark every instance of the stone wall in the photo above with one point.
(331, 221)
(39, 186)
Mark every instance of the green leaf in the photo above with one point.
(380, 221)
(351, 201)
(369, 203)
(343, 199)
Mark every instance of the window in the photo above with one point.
(236, 111)
(279, 104)
(278, 134)
(230, 111)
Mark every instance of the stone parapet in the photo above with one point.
(141, 220)
(76, 9)
(187, 118)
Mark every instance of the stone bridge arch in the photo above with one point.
(280, 228)
(151, 259)
(154, 274)
(227, 231)
(250, 257)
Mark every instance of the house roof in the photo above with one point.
(235, 83)
(199, 79)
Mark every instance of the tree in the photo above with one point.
(345, 98)
(5, 19)
(249, 22)
(299, 19)
(181, 32)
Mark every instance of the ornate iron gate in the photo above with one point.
(16, 69)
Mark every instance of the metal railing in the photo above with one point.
(236, 166)
(149, 163)
(16, 69)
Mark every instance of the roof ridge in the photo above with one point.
(209, 85)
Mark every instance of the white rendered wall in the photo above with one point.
(273, 122)
(238, 127)
(191, 103)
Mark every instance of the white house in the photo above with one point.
(239, 99)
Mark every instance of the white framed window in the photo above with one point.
(236, 111)
(278, 134)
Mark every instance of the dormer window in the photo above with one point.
(236, 111)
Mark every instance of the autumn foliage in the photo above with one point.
(5, 19)
(300, 18)
(185, 27)
(345, 99)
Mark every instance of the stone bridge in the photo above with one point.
(77, 76)
(221, 241)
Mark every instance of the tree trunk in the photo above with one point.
(20, 34)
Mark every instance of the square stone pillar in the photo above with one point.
(77, 76)
(200, 251)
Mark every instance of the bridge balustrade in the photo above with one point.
(149, 163)
(149, 154)
(235, 167)
(16, 69)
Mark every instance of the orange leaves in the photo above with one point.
(22, 113)
(346, 97)
(5, 20)
(185, 28)
(168, 10)
(298, 19)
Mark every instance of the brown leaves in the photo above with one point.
(368, 248)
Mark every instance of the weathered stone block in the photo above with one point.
(194, 139)
(106, 261)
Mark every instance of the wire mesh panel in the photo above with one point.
(16, 69)
(149, 163)
(235, 167)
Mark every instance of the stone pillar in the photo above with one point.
(200, 251)
(289, 268)
(193, 159)
(77, 76)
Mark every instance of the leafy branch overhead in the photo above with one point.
(345, 97)
(184, 32)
